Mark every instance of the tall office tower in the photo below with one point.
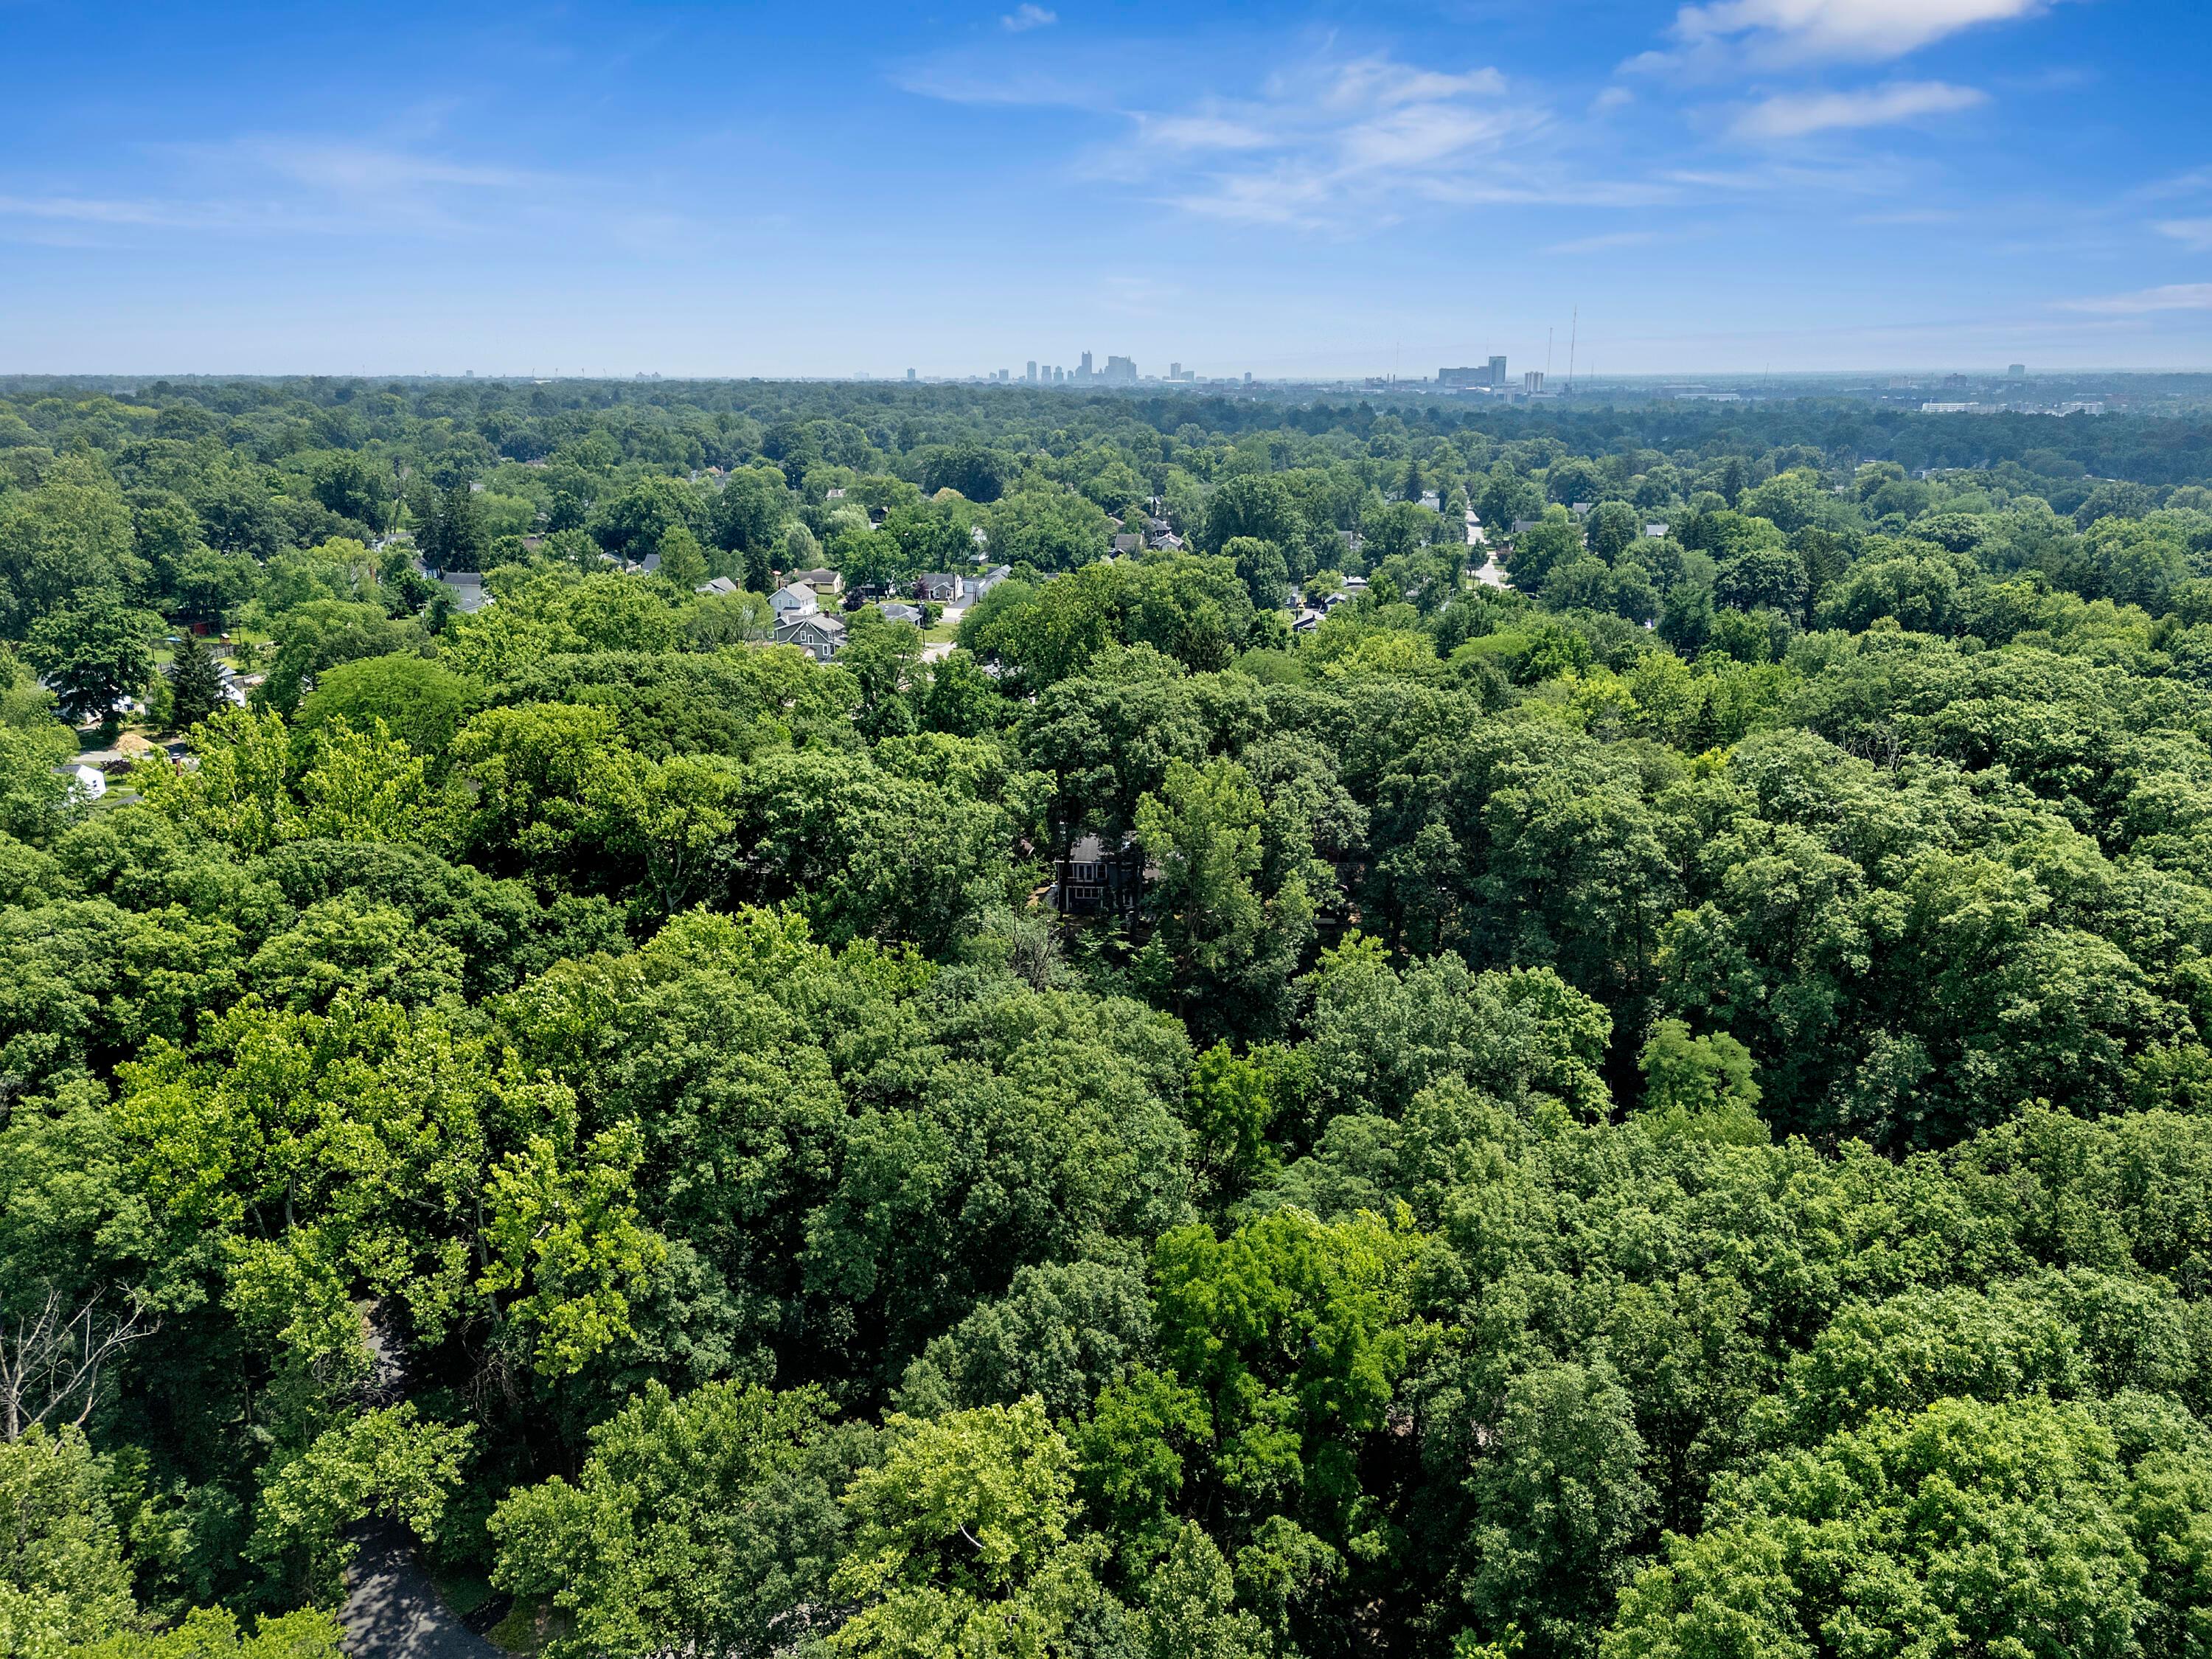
(1532, 379)
(1497, 372)
(1083, 372)
(1030, 376)
(910, 375)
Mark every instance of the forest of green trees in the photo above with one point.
(1659, 1109)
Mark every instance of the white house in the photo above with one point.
(790, 602)
(719, 585)
(87, 783)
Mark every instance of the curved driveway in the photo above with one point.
(393, 1611)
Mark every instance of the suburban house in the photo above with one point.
(1167, 541)
(718, 585)
(1433, 501)
(789, 602)
(1655, 532)
(87, 783)
(466, 589)
(821, 581)
(1131, 543)
(1092, 879)
(1521, 525)
(892, 611)
(821, 637)
(938, 586)
(979, 585)
(650, 564)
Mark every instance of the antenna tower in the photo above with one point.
(1574, 332)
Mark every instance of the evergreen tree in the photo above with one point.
(194, 685)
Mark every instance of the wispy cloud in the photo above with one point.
(1026, 16)
(2174, 296)
(1199, 132)
(2197, 182)
(1910, 216)
(1605, 242)
(1316, 143)
(2195, 234)
(1796, 114)
(275, 184)
(356, 169)
(1855, 31)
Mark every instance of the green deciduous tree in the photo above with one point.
(93, 652)
(710, 1524)
(961, 1542)
(1222, 953)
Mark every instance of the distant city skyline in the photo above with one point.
(1292, 190)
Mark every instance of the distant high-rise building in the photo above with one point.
(1497, 373)
(1083, 372)
(1463, 377)
(1030, 374)
(1248, 377)
(910, 375)
(2015, 371)
(1532, 380)
(1121, 368)
(1175, 371)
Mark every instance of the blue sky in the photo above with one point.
(1287, 190)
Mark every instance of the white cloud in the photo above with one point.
(2195, 182)
(2174, 296)
(302, 185)
(2195, 234)
(1028, 16)
(1612, 98)
(1382, 83)
(1323, 140)
(1603, 243)
(1851, 30)
(1200, 132)
(1796, 114)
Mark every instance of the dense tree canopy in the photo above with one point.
(1250, 1091)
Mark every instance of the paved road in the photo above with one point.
(393, 1612)
(1491, 573)
(938, 650)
